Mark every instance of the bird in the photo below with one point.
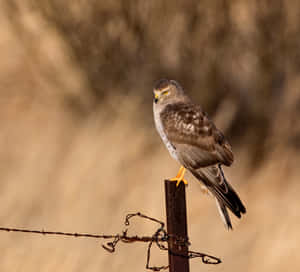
(194, 141)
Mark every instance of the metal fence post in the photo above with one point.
(177, 227)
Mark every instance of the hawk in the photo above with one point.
(194, 141)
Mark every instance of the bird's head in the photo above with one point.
(166, 91)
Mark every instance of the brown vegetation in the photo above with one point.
(78, 146)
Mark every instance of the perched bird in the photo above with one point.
(194, 141)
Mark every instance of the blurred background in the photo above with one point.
(78, 147)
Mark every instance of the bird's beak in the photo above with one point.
(156, 97)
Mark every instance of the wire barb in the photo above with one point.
(159, 238)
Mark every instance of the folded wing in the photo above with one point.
(198, 141)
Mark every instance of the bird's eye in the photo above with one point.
(165, 92)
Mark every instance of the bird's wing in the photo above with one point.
(198, 142)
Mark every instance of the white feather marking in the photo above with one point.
(160, 129)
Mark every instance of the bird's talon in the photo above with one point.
(182, 180)
(178, 181)
(179, 177)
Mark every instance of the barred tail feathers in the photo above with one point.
(214, 179)
(224, 214)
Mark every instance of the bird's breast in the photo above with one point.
(160, 128)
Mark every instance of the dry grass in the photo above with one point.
(66, 167)
(59, 174)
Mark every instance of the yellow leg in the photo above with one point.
(180, 176)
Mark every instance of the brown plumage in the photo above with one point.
(194, 141)
(200, 142)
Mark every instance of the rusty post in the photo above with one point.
(177, 227)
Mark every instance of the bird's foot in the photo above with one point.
(178, 180)
(180, 177)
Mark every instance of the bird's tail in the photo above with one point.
(224, 214)
(226, 197)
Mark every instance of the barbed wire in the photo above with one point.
(159, 238)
